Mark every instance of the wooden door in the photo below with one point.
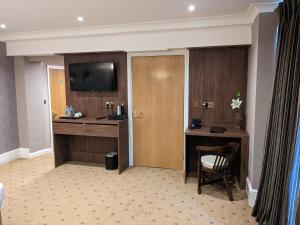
(57, 91)
(157, 88)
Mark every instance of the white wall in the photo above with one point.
(19, 64)
(33, 113)
(37, 111)
(251, 92)
(261, 72)
(9, 139)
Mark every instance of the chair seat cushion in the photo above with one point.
(208, 161)
(1, 194)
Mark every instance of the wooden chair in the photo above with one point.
(216, 160)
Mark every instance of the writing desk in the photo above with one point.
(88, 140)
(204, 137)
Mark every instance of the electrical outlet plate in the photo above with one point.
(208, 105)
(109, 103)
(211, 105)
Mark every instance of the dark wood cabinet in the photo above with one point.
(87, 140)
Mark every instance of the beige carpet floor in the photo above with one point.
(72, 194)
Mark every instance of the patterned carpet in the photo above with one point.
(38, 194)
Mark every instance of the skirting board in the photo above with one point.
(9, 156)
(22, 153)
(25, 153)
(251, 193)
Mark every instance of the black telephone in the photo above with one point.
(195, 124)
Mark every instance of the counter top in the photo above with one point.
(205, 131)
(89, 120)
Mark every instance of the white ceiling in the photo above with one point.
(37, 15)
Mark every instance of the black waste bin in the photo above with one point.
(111, 161)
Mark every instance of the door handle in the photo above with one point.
(137, 114)
(134, 114)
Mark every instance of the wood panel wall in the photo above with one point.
(93, 103)
(216, 74)
(93, 149)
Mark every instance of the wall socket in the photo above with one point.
(109, 104)
(208, 105)
(211, 105)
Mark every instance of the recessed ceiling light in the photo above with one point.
(3, 26)
(80, 18)
(192, 8)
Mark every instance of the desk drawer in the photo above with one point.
(100, 130)
(68, 128)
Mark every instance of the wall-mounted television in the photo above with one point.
(98, 77)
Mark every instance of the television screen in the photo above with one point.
(93, 77)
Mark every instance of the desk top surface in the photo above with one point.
(204, 131)
(89, 120)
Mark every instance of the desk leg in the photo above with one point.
(244, 162)
(186, 163)
(123, 148)
(60, 149)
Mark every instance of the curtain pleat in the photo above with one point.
(271, 203)
(294, 183)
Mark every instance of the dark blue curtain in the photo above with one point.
(294, 183)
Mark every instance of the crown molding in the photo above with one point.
(183, 24)
(170, 25)
(257, 8)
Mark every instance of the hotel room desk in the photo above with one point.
(88, 140)
(204, 137)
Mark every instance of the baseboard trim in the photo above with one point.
(25, 153)
(251, 193)
(41, 152)
(22, 153)
(9, 156)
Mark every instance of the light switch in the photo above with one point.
(196, 104)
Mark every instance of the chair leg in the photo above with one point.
(227, 186)
(199, 174)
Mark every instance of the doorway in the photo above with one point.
(158, 110)
(57, 87)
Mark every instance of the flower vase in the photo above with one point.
(238, 119)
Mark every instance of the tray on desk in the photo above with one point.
(71, 118)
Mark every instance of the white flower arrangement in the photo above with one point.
(236, 103)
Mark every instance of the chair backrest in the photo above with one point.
(219, 151)
(224, 154)
(221, 162)
(224, 161)
(234, 148)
